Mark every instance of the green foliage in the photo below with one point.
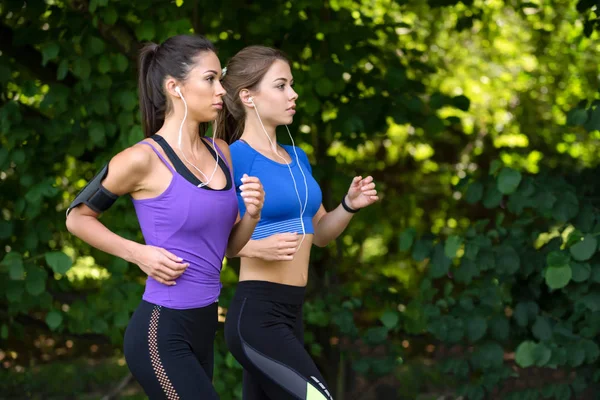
(543, 282)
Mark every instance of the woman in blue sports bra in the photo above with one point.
(264, 328)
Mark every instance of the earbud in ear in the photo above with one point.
(251, 99)
(177, 90)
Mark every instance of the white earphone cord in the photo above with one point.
(202, 184)
(274, 147)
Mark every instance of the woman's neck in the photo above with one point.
(258, 137)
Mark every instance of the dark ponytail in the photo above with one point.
(245, 70)
(175, 58)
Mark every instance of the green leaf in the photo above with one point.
(592, 301)
(121, 318)
(584, 249)
(49, 52)
(121, 62)
(530, 353)
(486, 260)
(82, 68)
(557, 259)
(97, 133)
(422, 250)
(452, 245)
(508, 180)
(58, 261)
(541, 329)
(6, 229)
(95, 45)
(577, 116)
(110, 16)
(145, 31)
(390, 319)
(499, 328)
(14, 262)
(63, 69)
(593, 122)
(487, 356)
(558, 277)
(471, 250)
(476, 328)
(406, 239)
(581, 272)
(128, 100)
(4, 332)
(461, 102)
(178, 3)
(466, 272)
(495, 166)
(525, 312)
(361, 366)
(492, 198)
(376, 335)
(576, 356)
(566, 207)
(508, 261)
(54, 319)
(36, 281)
(103, 64)
(440, 264)
(474, 193)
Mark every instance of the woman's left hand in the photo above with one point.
(253, 194)
(362, 193)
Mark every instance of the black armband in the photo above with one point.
(94, 195)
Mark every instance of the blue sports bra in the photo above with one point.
(281, 210)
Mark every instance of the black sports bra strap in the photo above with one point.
(176, 161)
(184, 171)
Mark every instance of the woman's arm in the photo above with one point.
(253, 195)
(329, 225)
(279, 247)
(126, 172)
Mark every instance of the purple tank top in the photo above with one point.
(193, 223)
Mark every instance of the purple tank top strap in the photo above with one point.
(159, 156)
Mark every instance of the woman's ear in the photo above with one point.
(171, 86)
(246, 98)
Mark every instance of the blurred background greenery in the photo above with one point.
(478, 273)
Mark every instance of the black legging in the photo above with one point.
(264, 333)
(170, 352)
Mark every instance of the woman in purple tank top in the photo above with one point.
(185, 199)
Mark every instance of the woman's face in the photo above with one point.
(275, 99)
(202, 89)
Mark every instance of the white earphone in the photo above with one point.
(207, 180)
(274, 147)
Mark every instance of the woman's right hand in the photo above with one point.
(160, 264)
(279, 247)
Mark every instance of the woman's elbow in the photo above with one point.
(70, 223)
(320, 242)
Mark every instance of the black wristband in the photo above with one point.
(347, 208)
